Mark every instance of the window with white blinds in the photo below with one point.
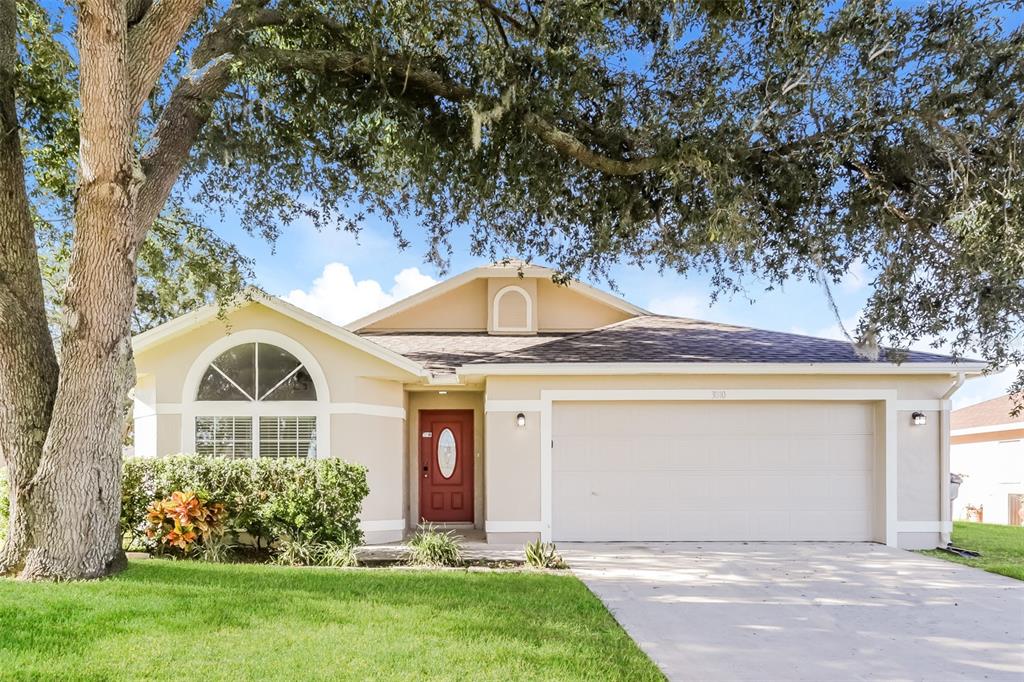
(224, 436)
(287, 437)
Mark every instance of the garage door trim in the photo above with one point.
(887, 397)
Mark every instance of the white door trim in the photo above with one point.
(887, 397)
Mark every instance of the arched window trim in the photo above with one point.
(256, 359)
(195, 374)
(512, 288)
(193, 408)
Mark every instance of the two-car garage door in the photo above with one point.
(713, 471)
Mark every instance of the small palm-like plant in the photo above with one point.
(297, 552)
(216, 550)
(543, 555)
(337, 555)
(431, 547)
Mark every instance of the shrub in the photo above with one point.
(316, 502)
(304, 552)
(337, 555)
(183, 521)
(268, 501)
(431, 547)
(543, 555)
(297, 552)
(216, 550)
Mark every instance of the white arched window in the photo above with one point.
(256, 372)
(256, 397)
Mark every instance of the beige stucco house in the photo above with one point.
(501, 401)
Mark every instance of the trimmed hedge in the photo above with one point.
(268, 501)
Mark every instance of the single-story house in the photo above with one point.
(987, 451)
(502, 401)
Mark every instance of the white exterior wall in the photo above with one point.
(992, 471)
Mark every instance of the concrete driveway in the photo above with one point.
(807, 611)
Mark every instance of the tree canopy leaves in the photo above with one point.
(779, 140)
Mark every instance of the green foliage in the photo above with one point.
(297, 552)
(543, 555)
(431, 547)
(316, 501)
(216, 550)
(305, 552)
(759, 139)
(267, 501)
(337, 555)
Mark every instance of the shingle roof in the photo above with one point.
(989, 413)
(658, 338)
(442, 352)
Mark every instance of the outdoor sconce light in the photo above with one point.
(520, 420)
(918, 419)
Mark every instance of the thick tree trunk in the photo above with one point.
(28, 367)
(61, 429)
(73, 510)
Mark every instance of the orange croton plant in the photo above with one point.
(184, 520)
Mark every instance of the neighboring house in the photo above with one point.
(501, 401)
(988, 452)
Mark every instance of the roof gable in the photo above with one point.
(398, 315)
(183, 324)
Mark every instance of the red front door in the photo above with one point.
(446, 465)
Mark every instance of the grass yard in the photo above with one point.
(190, 620)
(1001, 547)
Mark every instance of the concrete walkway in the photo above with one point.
(807, 611)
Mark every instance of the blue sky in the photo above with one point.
(342, 277)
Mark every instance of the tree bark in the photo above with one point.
(28, 366)
(74, 507)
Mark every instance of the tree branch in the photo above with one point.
(189, 108)
(151, 41)
(426, 80)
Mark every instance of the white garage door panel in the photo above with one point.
(712, 471)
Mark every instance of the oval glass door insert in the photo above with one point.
(446, 453)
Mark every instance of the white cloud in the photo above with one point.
(337, 296)
(834, 331)
(856, 278)
(680, 305)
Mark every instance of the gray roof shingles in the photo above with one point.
(646, 338)
(658, 338)
(442, 352)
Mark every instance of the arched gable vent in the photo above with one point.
(513, 310)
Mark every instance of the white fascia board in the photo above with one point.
(173, 328)
(994, 428)
(647, 368)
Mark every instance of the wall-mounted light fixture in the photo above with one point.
(918, 419)
(520, 420)
(442, 392)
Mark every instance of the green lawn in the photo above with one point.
(189, 620)
(1001, 547)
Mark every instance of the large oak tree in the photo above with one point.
(775, 139)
